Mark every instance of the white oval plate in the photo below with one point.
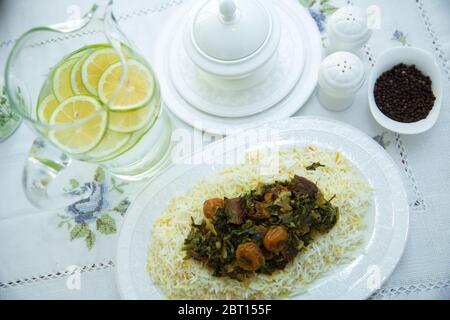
(282, 110)
(387, 220)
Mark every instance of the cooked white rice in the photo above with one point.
(189, 279)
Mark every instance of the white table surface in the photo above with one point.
(36, 256)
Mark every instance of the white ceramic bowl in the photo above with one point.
(426, 63)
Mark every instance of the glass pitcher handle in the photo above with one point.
(43, 165)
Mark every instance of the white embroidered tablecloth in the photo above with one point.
(39, 249)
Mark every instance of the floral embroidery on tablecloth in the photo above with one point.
(94, 213)
(319, 11)
(401, 37)
(9, 120)
(382, 140)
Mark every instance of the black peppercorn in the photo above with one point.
(404, 94)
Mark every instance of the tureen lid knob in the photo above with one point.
(228, 9)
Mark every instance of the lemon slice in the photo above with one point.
(75, 77)
(131, 121)
(46, 108)
(111, 143)
(95, 65)
(135, 91)
(79, 138)
(135, 138)
(61, 80)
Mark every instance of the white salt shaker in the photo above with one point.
(341, 75)
(347, 29)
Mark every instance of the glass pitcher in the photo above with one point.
(90, 96)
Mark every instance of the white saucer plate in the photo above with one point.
(284, 108)
(235, 103)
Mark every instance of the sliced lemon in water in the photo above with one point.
(75, 77)
(131, 121)
(135, 91)
(62, 87)
(95, 65)
(46, 108)
(111, 143)
(135, 138)
(80, 137)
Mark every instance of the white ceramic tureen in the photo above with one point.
(233, 40)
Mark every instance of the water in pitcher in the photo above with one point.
(104, 106)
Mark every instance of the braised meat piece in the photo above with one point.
(289, 253)
(234, 211)
(260, 211)
(302, 185)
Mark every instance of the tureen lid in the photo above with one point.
(243, 33)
